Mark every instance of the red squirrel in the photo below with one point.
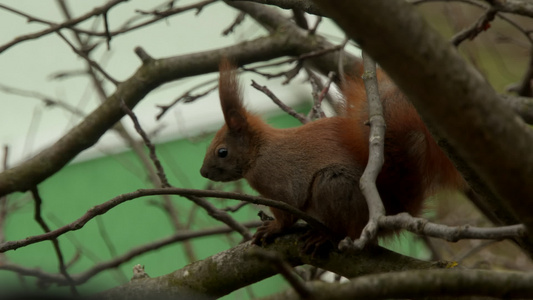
(316, 167)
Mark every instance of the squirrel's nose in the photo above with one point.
(204, 172)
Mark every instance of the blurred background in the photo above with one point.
(46, 89)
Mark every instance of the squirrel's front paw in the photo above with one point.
(266, 233)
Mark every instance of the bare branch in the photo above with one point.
(38, 218)
(236, 207)
(307, 6)
(233, 269)
(106, 206)
(290, 74)
(279, 103)
(376, 138)
(48, 101)
(222, 216)
(450, 233)
(143, 55)
(519, 7)
(117, 261)
(481, 25)
(500, 7)
(70, 23)
(426, 284)
(107, 33)
(318, 96)
(160, 172)
(188, 97)
(91, 62)
(238, 20)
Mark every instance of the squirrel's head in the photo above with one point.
(229, 154)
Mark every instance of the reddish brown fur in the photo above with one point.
(316, 167)
(415, 166)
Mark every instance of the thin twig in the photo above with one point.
(68, 24)
(317, 87)
(290, 74)
(88, 59)
(48, 101)
(471, 251)
(222, 216)
(304, 56)
(340, 65)
(110, 204)
(160, 172)
(38, 218)
(482, 24)
(105, 237)
(107, 33)
(188, 97)
(238, 20)
(279, 103)
(317, 111)
(157, 16)
(235, 208)
(82, 248)
(117, 261)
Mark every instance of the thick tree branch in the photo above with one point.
(272, 21)
(324, 63)
(519, 7)
(234, 268)
(424, 284)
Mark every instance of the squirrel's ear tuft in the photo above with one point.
(230, 97)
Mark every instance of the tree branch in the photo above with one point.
(232, 269)
(163, 181)
(376, 157)
(70, 23)
(118, 260)
(303, 119)
(424, 284)
(423, 227)
(106, 206)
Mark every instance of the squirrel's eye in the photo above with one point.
(222, 152)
